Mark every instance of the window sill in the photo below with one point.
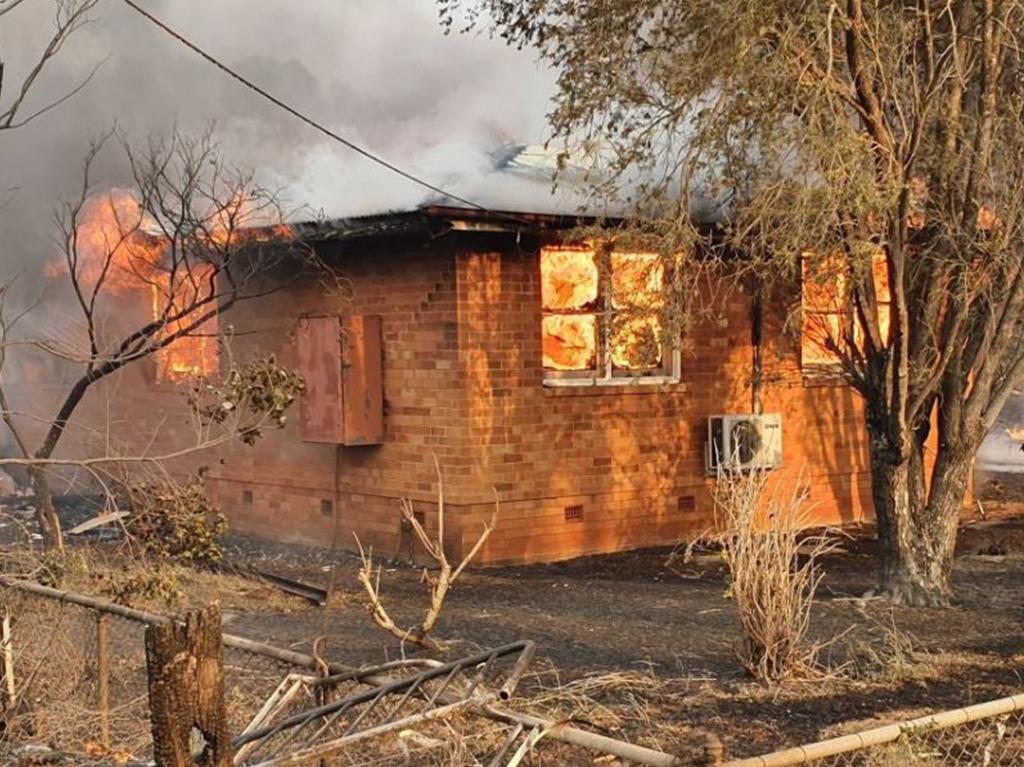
(822, 378)
(590, 386)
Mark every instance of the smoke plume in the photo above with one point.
(382, 74)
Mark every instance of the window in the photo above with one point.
(823, 313)
(883, 298)
(600, 320)
(194, 355)
(826, 311)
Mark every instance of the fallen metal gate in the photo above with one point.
(341, 721)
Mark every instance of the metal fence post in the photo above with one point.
(103, 675)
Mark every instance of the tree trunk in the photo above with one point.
(46, 515)
(917, 524)
(186, 692)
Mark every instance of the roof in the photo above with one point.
(432, 220)
(528, 186)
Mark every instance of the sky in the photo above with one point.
(382, 74)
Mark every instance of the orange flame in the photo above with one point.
(244, 218)
(110, 247)
(114, 253)
(573, 293)
(569, 290)
(194, 354)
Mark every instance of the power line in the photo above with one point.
(295, 112)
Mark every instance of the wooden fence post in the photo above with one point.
(103, 675)
(186, 691)
(7, 643)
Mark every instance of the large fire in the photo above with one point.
(195, 353)
(114, 251)
(576, 298)
(110, 249)
(569, 291)
(638, 281)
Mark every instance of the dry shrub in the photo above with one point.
(176, 521)
(887, 653)
(773, 572)
(145, 585)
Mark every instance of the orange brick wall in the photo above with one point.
(413, 290)
(627, 454)
(278, 487)
(463, 380)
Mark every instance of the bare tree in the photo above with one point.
(438, 585)
(68, 17)
(878, 145)
(190, 240)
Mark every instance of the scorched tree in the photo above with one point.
(875, 145)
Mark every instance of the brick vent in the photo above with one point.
(687, 503)
(327, 508)
(574, 513)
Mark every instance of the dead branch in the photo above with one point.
(70, 16)
(438, 585)
(191, 237)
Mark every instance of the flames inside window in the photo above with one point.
(601, 317)
(194, 354)
(827, 311)
(637, 285)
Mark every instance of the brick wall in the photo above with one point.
(631, 456)
(292, 482)
(282, 487)
(579, 470)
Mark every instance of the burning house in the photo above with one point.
(487, 339)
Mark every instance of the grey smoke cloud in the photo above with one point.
(381, 73)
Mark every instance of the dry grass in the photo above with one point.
(881, 651)
(110, 575)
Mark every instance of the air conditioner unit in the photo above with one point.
(744, 442)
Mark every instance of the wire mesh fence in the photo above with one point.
(989, 734)
(75, 678)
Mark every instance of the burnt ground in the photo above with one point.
(627, 612)
(641, 651)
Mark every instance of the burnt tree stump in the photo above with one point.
(186, 691)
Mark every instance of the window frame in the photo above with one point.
(604, 372)
(846, 317)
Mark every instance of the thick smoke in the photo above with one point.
(382, 74)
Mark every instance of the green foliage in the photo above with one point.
(259, 392)
(175, 521)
